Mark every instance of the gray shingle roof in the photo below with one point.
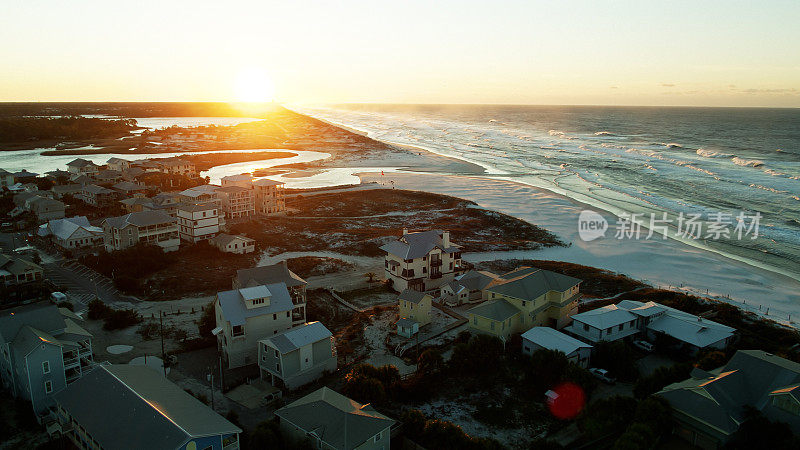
(140, 219)
(552, 339)
(605, 317)
(127, 186)
(80, 162)
(95, 189)
(338, 421)
(275, 273)
(298, 337)
(44, 316)
(497, 310)
(126, 407)
(412, 296)
(530, 283)
(417, 245)
(235, 311)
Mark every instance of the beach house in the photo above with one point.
(118, 164)
(297, 356)
(421, 261)
(148, 227)
(269, 197)
(416, 306)
(20, 280)
(177, 166)
(651, 321)
(332, 421)
(233, 244)
(198, 222)
(123, 406)
(6, 178)
(710, 406)
(272, 274)
(129, 189)
(81, 166)
(524, 298)
(469, 287)
(97, 196)
(45, 208)
(247, 315)
(73, 233)
(538, 338)
(242, 180)
(43, 349)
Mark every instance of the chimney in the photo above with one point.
(405, 231)
(446, 239)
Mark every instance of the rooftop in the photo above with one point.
(236, 312)
(552, 339)
(419, 244)
(497, 310)
(298, 337)
(140, 219)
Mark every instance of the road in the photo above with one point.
(83, 284)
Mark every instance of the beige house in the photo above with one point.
(269, 197)
(416, 306)
(331, 421)
(198, 222)
(118, 164)
(243, 180)
(177, 166)
(205, 193)
(233, 244)
(82, 166)
(237, 201)
(422, 261)
(149, 227)
(272, 274)
(247, 315)
(523, 298)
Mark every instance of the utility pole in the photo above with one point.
(163, 355)
(211, 374)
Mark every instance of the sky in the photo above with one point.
(708, 53)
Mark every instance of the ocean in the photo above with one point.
(718, 163)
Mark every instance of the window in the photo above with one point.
(48, 387)
(45, 366)
(275, 317)
(277, 367)
(276, 354)
(287, 313)
(585, 327)
(620, 327)
(378, 436)
(238, 330)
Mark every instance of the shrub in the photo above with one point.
(119, 319)
(67, 305)
(98, 310)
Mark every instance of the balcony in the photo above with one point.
(70, 362)
(436, 262)
(435, 275)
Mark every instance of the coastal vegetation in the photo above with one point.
(70, 128)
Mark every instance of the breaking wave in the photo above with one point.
(747, 162)
(712, 154)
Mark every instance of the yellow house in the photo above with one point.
(524, 298)
(416, 306)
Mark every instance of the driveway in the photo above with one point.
(82, 284)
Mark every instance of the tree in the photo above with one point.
(207, 322)
(758, 431)
(618, 358)
(364, 389)
(98, 310)
(711, 360)
(430, 362)
(608, 414)
(370, 276)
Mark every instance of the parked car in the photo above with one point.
(603, 375)
(644, 345)
(58, 297)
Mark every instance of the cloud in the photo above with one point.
(614, 87)
(669, 85)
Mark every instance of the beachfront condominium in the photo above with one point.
(422, 261)
(198, 222)
(43, 349)
(147, 227)
(270, 197)
(237, 201)
(245, 316)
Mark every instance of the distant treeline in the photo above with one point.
(18, 129)
(130, 109)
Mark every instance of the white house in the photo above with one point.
(73, 233)
(81, 166)
(247, 315)
(608, 323)
(118, 164)
(468, 287)
(197, 222)
(538, 338)
(421, 261)
(298, 356)
(233, 244)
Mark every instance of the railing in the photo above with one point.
(69, 362)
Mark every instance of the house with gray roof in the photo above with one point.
(82, 166)
(710, 406)
(129, 189)
(20, 280)
(124, 406)
(61, 190)
(332, 421)
(539, 297)
(538, 338)
(118, 164)
(97, 196)
(147, 227)
(468, 287)
(651, 320)
(247, 315)
(6, 178)
(297, 356)
(73, 233)
(277, 273)
(230, 243)
(43, 350)
(422, 261)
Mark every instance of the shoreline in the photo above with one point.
(593, 203)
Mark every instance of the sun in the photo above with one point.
(254, 86)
